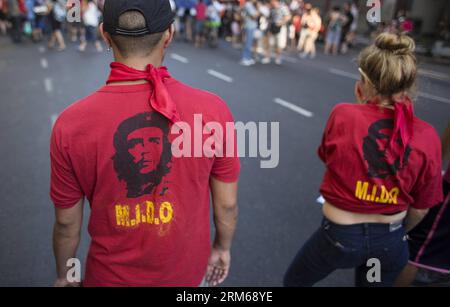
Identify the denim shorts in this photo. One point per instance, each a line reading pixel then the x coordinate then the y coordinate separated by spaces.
pixel 334 37
pixel 91 34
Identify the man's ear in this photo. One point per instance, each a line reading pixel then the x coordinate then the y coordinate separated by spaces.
pixel 169 35
pixel 105 36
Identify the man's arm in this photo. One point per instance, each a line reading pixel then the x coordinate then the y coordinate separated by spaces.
pixel 66 237
pixel 414 217
pixel 224 198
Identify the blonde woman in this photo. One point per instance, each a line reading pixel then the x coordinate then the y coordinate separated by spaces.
pixel 383 173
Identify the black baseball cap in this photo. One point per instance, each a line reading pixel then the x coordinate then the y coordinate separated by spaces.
pixel 158 16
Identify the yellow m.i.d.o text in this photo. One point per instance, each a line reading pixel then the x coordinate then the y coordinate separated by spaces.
pixel 147 213
pixel 379 194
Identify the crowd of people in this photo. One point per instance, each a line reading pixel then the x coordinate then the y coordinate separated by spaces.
pixel 261 27
pixel 267 27
pixel 38 19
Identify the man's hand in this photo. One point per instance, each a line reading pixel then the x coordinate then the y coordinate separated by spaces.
pixel 224 197
pixel 62 282
pixel 218 266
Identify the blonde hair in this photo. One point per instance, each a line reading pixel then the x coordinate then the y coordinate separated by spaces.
pixel 390 64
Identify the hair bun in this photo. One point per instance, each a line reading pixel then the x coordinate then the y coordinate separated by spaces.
pixel 398 44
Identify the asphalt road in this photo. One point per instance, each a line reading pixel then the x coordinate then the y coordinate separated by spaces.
pixel 278 208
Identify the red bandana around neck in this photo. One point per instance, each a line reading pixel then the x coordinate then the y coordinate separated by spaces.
pixel 403 125
pixel 160 99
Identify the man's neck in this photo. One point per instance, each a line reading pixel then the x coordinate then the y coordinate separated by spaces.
pixel 139 64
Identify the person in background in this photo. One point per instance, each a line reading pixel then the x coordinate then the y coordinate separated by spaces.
pixel 295 28
pixel 29 19
pixel 314 24
pixel 346 27
pixel 429 242
pixel 383 173
pixel 200 18
pixel 305 21
pixel 296 5
pixel 184 18
pixel 178 22
pixel 279 17
pixel 354 26
pixel 57 15
pixel 405 24
pixel 236 28
pixel 295 8
pixel 101 4
pixel 188 20
pixel 214 20
pixel 227 19
pixel 41 11
pixel 250 14
pixel 16 10
pixel 91 19
pixel 334 31
pixel 263 44
pixel 3 17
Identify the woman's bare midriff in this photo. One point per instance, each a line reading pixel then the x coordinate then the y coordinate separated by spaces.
pixel 343 217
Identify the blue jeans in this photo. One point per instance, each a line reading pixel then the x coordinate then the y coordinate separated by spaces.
pixel 249 36
pixel 335 246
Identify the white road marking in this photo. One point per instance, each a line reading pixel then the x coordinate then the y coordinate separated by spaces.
pixel 219 75
pixel 44 63
pixel 421 94
pixel 41 49
pixel 53 119
pixel 434 74
pixel 434 97
pixel 48 83
pixel 344 73
pixel 293 107
pixel 179 58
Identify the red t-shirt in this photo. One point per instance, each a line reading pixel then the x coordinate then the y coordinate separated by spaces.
pixel 359 179
pixel 150 211
pixel 200 9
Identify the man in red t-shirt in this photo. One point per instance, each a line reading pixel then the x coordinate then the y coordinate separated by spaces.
pixel 120 149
